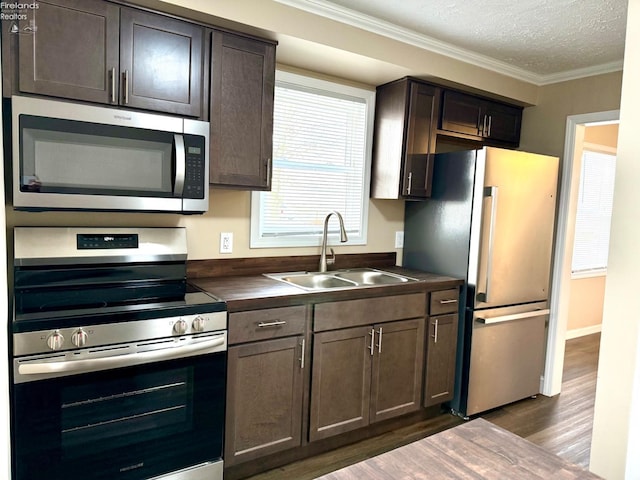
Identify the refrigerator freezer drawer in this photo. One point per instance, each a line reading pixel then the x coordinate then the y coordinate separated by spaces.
pixel 507 357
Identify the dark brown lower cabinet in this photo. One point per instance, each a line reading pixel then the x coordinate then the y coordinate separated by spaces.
pixel 264 398
pixel 397 369
pixel 441 359
pixel 340 381
pixel 365 374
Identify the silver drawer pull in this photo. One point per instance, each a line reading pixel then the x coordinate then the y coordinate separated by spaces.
pixel 435 331
pixel 447 302
pixel 272 324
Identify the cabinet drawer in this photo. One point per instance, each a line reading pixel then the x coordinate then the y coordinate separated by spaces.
pixel 352 313
pixel 265 324
pixel 445 301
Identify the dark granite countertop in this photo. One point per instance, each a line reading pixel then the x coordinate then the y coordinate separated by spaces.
pixel 251 292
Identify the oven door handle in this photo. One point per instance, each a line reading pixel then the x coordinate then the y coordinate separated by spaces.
pixel 117 361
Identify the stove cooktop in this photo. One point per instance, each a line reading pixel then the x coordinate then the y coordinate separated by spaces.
pixel 195 301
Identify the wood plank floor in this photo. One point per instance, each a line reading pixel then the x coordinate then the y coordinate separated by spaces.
pixel 561 424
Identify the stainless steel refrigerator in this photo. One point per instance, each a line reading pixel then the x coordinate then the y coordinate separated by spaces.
pixel 490 220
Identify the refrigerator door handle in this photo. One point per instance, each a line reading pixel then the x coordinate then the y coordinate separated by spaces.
pixel 491 192
pixel 507 318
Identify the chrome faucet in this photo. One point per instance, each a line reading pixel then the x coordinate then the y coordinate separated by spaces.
pixel 324 261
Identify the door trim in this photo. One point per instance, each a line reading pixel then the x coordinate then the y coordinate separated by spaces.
pixel 551 381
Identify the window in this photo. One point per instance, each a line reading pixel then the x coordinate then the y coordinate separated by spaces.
pixel 321 163
pixel 593 218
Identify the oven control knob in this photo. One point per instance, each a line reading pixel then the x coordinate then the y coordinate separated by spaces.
pixel 79 338
pixel 180 327
pixel 55 340
pixel 198 324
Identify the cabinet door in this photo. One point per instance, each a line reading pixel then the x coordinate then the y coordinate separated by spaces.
pixel 396 385
pixel 71 50
pixel 503 123
pixel 340 381
pixel 441 359
pixel 241 116
pixel 161 62
pixel 462 113
pixel 421 139
pixel 264 399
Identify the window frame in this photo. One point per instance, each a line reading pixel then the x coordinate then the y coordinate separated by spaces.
pixel 304 82
pixel 594 272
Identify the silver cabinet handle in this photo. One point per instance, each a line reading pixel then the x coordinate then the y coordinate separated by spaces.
pixel 302 354
pixel 181 165
pixel 126 86
pixel 489 129
pixel 435 331
pixel 379 344
pixel 491 192
pixel 480 318
pixel 275 323
pixel 113 85
pixel 447 302
pixel 484 126
pixel 409 183
pixel 117 361
pixel 267 179
pixel 373 336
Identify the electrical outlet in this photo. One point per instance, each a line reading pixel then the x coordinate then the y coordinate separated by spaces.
pixel 226 242
pixel 399 239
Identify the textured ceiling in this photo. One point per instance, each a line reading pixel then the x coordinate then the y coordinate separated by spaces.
pixel 542 38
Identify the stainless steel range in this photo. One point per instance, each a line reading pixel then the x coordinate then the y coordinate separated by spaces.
pixel 118 364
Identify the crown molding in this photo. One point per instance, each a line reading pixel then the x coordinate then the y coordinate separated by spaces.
pixel 580 73
pixel 390 30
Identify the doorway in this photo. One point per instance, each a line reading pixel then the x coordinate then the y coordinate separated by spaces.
pixel 561 280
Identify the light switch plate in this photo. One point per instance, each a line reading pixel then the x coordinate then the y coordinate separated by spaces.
pixel 226 242
pixel 399 239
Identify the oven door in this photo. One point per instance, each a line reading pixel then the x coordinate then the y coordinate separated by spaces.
pixel 126 423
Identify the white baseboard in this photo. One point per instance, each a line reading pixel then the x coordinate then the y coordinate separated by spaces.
pixel 581 332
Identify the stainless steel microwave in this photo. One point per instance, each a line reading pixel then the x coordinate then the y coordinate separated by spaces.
pixel 68 156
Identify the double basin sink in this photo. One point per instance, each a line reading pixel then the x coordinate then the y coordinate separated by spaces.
pixel 350 278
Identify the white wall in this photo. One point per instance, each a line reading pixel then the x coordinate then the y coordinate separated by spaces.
pixel 616 427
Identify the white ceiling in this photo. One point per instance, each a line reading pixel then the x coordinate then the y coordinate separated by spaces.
pixel 542 41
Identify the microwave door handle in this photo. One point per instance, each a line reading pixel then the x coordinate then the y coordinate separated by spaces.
pixel 181 165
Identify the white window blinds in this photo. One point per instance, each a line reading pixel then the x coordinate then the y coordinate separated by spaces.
pixel 320 152
pixel 593 219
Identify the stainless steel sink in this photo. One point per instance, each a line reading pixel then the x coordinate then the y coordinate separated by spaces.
pixel 340 279
pixel 317 281
pixel 367 276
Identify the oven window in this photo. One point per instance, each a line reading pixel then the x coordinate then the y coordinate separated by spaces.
pixel 119 413
pixel 126 424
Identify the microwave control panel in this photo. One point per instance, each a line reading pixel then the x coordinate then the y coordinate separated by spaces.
pixel 195 176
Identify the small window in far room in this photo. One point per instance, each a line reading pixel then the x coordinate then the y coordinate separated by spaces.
pixel 321 163
pixel 593 218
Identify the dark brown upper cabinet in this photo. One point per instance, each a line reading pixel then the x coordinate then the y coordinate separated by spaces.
pixel 478 118
pixel 241 115
pixel 96 51
pixel 73 53
pixel 161 63
pixel 404 139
